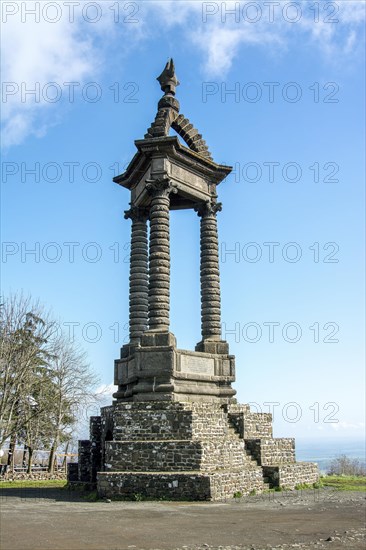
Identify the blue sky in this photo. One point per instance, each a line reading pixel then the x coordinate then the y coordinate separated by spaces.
pixel 278 93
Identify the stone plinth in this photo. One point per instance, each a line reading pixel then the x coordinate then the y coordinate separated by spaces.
pixel 193 451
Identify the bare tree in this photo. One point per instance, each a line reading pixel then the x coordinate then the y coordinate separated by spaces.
pixel 45 380
pixel 343 465
pixel 24 333
pixel 73 386
pixel 35 431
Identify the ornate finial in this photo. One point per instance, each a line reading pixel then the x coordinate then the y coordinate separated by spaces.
pixel 168 80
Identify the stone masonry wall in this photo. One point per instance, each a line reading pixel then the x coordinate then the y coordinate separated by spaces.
pixel 226 485
pixel 180 486
pixel 73 471
pixel 192 451
pixel 149 456
pixel 35 475
pixel 249 425
pixel 207 455
pixel 96 446
pixel 107 419
pixel 228 453
pixel 84 463
pixel 288 476
pixel 147 421
pixel 209 421
pixel 166 420
pixel 268 452
pixel 257 425
pixel 169 486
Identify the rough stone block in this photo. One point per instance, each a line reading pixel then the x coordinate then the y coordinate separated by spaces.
pixel 288 476
pixel 84 464
pixel 72 471
pixel 269 451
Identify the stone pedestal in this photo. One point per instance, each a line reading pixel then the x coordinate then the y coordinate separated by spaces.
pixel 195 451
pixel 159 371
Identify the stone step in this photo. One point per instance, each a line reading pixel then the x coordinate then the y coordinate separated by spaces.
pixel 192 485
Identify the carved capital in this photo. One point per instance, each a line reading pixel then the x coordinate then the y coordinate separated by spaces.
pixel 162 187
pixel 137 214
pixel 208 208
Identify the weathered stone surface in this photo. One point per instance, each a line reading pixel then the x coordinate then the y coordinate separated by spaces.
pixel 192 375
pixel 139 280
pixel 204 440
pixel 96 446
pixel 270 451
pixel 36 475
pixel 84 464
pixel 288 476
pixel 73 471
pixel 171 486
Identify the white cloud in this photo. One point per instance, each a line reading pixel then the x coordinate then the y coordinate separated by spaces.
pixel 220 29
pixel 36 52
pixel 221 46
pixel 76 51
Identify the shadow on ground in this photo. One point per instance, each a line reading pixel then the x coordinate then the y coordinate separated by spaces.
pixel 46 493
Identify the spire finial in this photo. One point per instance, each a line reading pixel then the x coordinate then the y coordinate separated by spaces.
pixel 168 80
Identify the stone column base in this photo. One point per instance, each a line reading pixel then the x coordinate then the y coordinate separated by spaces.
pixel 213 346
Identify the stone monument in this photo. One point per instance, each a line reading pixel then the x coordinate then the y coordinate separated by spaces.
pixel 175 430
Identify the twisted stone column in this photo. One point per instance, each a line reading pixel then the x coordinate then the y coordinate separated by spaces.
pixel 139 278
pixel 159 257
pixel 210 274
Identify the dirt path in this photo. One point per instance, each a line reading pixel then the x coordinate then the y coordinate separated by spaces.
pixel 51 519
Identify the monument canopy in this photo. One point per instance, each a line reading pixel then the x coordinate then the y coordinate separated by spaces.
pixel 190 168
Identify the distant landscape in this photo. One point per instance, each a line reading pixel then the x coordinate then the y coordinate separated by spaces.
pixel 323 451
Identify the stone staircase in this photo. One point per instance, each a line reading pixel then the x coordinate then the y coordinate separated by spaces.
pixel 275 456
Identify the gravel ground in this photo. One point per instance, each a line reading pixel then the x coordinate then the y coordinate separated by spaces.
pixel 53 519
